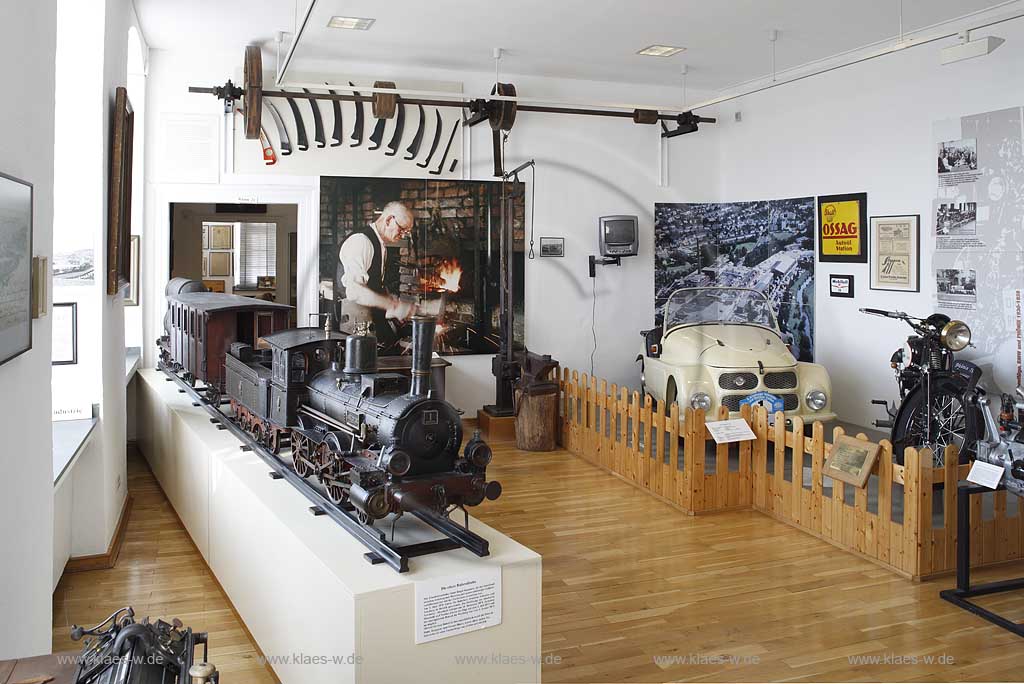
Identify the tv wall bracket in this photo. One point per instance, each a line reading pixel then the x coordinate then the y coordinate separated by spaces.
pixel 602 261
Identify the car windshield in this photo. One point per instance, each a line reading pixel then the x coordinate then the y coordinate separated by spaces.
pixel 693 306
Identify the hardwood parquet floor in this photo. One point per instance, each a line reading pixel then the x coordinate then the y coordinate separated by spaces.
pixel 161 574
pixel 634 591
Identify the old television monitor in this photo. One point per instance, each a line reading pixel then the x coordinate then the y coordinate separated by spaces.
pixel 618 235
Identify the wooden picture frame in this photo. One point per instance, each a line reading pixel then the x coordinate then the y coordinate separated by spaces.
pixel 843 228
pixel 65 334
pixel 16 228
pixel 119 210
pixel 132 298
pixel 220 264
pixel 206 264
pixel 221 236
pixel 895 253
pixel 206 236
pixel 851 460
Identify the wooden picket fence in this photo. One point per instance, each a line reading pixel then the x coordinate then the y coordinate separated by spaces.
pixel 667 452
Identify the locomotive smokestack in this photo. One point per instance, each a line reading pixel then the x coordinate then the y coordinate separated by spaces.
pixel 422 348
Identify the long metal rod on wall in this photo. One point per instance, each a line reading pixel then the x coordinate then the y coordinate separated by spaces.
pixel 283 68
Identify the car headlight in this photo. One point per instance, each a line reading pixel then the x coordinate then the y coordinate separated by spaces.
pixel 816 400
pixel 955 335
pixel 700 400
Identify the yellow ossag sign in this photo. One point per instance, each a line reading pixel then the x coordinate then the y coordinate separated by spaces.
pixel 840 228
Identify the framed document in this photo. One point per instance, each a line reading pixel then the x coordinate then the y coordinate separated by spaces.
pixel 851 460
pixel 65 334
pixel 896 253
pixel 221 236
pixel 220 264
pixel 840 286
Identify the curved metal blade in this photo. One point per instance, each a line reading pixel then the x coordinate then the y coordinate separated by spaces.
pixel 357 130
pixel 414 146
pixel 300 128
pixel 338 134
pixel 377 137
pixel 318 122
pixel 437 138
pixel 396 138
pixel 282 130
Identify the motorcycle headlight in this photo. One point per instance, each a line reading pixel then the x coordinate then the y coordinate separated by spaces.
pixel 700 400
pixel 955 335
pixel 816 400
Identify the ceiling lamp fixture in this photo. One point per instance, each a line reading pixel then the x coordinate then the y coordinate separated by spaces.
pixel 969 49
pixel 660 51
pixel 356 23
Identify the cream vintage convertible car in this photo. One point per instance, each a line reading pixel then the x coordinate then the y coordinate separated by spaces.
pixel 721 346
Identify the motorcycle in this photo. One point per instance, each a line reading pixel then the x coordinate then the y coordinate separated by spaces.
pixel 1003 442
pixel 932 411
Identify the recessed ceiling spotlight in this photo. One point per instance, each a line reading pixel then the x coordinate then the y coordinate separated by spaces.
pixel 357 23
pixel 660 51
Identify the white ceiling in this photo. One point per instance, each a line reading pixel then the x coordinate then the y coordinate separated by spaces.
pixel 726 40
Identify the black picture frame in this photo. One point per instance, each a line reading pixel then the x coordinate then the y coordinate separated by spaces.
pixel 862 256
pixel 554 245
pixel 834 292
pixel 24 343
pixel 74 333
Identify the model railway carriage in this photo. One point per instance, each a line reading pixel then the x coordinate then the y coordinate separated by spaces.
pixel 200 327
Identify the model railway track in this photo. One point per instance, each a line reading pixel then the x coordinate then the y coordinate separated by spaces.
pixel 380 549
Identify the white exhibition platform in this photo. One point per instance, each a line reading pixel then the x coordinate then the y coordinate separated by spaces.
pixel 301 583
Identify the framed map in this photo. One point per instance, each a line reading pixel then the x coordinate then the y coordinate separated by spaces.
pixel 15 267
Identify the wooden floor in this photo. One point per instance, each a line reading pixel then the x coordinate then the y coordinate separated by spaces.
pixel 629 583
pixel 160 574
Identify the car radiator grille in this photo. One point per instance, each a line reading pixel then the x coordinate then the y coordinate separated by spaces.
pixel 790 402
pixel 780 380
pixel 737 381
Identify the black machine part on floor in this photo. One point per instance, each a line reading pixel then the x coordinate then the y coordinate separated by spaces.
pixel 120 650
pixel 961 595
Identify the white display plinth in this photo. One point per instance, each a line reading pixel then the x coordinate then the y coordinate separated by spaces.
pixel 301 584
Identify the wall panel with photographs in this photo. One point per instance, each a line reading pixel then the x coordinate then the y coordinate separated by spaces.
pixel 977 215
pixel 451 259
pixel 765 245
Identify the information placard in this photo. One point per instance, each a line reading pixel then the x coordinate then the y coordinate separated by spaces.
pixel 457 604
pixel 726 431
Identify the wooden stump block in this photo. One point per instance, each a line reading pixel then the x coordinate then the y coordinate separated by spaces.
pixel 536 423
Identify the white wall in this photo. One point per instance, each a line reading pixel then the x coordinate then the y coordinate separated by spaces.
pixel 586 167
pixel 864 128
pixel 26 488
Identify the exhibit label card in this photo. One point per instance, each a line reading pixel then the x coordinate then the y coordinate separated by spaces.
pixel 457 604
pixel 726 431
pixel 985 474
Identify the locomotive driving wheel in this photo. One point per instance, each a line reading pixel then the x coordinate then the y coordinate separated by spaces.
pixel 274 440
pixel 300 454
pixel 336 493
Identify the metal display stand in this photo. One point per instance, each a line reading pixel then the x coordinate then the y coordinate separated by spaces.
pixel 961 595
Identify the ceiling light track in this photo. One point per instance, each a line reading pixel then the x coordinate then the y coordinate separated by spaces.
pixel 907 43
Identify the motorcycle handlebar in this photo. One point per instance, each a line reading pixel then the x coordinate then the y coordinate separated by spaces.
pixel 881 312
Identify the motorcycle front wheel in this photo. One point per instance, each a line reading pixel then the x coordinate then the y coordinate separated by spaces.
pixel 951 421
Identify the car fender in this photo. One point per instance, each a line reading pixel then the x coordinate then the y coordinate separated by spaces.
pixel 690 380
pixel 813 376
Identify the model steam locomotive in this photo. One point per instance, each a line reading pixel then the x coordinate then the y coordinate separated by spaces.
pixel 379 442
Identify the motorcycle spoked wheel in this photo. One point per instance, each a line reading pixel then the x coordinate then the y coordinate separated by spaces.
pixel 952 422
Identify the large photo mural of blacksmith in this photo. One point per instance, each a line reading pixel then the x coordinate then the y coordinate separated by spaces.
pixel 764 245
pixel 394 247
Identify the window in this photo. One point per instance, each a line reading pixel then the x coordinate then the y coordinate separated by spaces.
pixel 257 254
